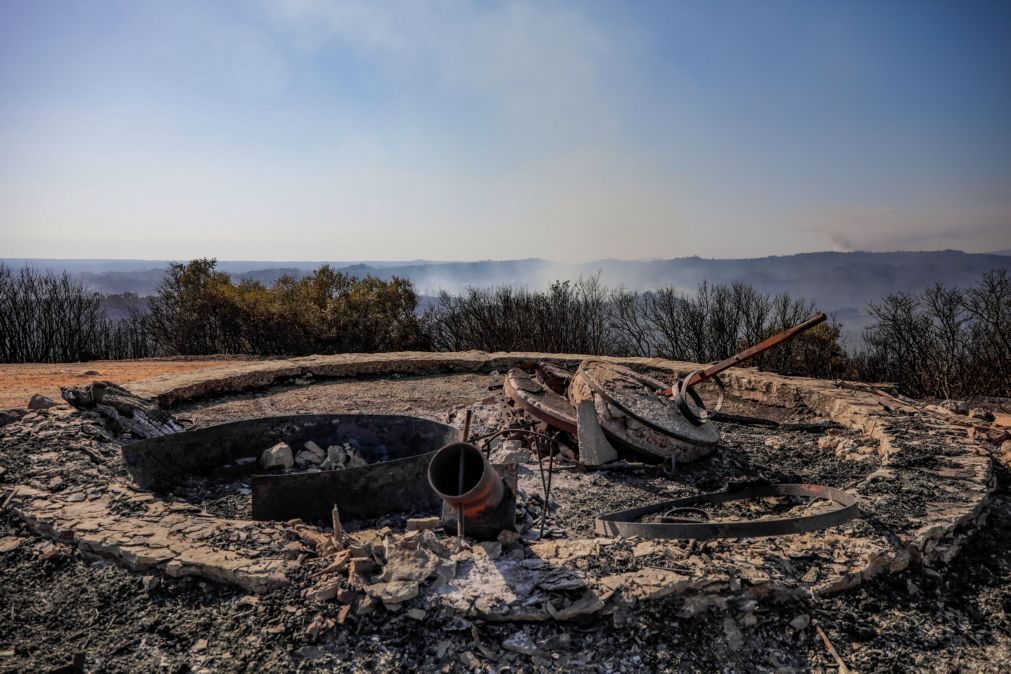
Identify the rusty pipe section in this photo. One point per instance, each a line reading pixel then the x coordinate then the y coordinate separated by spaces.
pixel 749 353
pixel 463 477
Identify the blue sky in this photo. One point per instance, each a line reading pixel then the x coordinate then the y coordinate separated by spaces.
pixel 310 129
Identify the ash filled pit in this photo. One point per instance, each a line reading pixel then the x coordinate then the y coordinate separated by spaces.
pixel 571 600
pixel 373 463
pixel 748 453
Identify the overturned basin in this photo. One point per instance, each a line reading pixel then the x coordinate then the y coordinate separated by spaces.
pixel 398 449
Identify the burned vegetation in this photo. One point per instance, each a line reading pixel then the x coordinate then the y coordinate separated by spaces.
pixel 459 512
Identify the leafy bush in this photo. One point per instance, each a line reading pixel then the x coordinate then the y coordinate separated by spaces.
pixel 199 310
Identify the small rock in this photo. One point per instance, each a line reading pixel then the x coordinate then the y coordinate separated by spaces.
pixel 200 645
pixel 510 451
pixel 40 402
pixel 956 406
pixel 151 583
pixel 416 614
pixel 10 416
pixel 248 600
pixel 422 523
pixel 394 592
pixel 310 653
pixel 801 622
pixel 828 442
pixel 277 457
pixel 442 648
pixel 982 414
pixel 520 642
pixel 307 458
pixel 362 566
pixel 341 458
pixel 507 537
pixel 491 548
pixel 315 449
pixel 471 662
pixel 9 543
pixel 89 373
pixel 733 633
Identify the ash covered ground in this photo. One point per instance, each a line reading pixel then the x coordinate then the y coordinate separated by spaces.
pixel 56 606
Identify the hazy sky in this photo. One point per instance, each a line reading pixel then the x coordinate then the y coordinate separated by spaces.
pixel 317 129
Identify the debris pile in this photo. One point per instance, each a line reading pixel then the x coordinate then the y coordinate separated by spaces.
pixel 555 449
pixel 312 458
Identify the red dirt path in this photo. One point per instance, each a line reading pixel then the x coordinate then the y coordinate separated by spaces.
pixel 18 382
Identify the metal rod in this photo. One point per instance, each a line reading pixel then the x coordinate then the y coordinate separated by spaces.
pixel 751 352
pixel 459 509
pixel 547 491
pixel 459 490
pixel 466 425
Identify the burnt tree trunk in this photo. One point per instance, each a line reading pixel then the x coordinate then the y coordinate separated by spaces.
pixel 126 411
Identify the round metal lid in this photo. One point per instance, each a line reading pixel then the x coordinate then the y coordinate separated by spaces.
pixel 633 398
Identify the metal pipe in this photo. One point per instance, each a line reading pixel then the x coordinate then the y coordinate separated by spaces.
pixel 461 475
pixel 750 352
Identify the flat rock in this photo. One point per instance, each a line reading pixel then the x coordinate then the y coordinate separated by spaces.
pixel 277 457
pixel 40 402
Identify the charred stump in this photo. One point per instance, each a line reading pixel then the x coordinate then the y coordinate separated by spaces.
pixel 127 412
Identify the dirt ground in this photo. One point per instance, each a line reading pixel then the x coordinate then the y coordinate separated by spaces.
pixel 19 382
pixel 54 607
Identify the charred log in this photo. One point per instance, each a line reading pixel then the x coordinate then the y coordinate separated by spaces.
pixel 124 410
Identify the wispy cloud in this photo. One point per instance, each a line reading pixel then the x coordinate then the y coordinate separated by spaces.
pixel 531 60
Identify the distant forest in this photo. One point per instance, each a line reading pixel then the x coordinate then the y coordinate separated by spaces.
pixel 944 341
pixel 842 284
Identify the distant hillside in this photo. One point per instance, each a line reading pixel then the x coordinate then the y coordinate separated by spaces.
pixel 843 283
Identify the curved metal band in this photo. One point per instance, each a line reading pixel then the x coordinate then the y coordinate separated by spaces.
pixel 627 524
pixel 698 413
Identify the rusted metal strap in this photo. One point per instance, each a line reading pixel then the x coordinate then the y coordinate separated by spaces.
pixel 628 524
pixel 749 353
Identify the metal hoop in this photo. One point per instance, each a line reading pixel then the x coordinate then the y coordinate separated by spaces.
pixel 698 413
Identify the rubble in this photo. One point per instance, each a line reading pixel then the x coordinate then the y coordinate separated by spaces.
pixel 342 457
pixel 312 455
pixel 921 482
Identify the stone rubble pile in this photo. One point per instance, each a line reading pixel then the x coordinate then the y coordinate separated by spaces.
pixel 311 459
